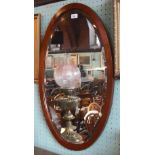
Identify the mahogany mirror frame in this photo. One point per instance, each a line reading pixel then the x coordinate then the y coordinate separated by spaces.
pixel 91 15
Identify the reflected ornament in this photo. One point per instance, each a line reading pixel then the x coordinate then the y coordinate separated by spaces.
pixel 68 103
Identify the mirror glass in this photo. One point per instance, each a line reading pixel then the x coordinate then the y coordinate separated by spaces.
pixel 75 78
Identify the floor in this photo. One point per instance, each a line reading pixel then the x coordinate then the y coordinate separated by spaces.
pixel 39 151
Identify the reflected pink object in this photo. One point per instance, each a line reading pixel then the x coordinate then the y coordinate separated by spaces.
pixel 68 76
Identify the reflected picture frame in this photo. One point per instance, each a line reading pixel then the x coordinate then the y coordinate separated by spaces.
pixel 116 7
pixel 84 60
pixel 57 61
pixel 74 59
pixel 49 63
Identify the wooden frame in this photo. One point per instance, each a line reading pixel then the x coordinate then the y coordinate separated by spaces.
pixel 95 20
pixel 116 6
pixel 43 2
pixel 36 46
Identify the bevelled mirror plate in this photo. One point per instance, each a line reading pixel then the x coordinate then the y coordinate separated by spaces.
pixel 76 76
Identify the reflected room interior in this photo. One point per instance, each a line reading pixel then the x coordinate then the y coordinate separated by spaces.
pixel 75 78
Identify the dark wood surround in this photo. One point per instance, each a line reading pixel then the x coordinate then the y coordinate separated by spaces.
pixel 91 15
pixel 44 2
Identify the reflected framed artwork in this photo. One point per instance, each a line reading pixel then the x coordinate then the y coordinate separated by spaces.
pixel 84 60
pixel 58 61
pixel 73 59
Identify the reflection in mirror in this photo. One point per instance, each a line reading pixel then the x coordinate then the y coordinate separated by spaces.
pixel 75 77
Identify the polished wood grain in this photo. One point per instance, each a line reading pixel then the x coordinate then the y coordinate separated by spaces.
pixel 95 20
pixel 36 46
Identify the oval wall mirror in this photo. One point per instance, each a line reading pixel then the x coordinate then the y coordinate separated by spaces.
pixel 76 76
